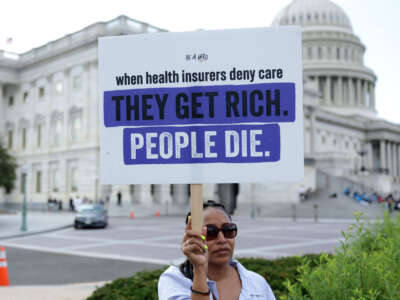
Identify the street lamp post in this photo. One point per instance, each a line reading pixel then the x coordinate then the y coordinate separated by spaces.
pixel 24 226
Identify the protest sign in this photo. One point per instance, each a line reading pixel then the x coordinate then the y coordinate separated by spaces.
pixel 201 107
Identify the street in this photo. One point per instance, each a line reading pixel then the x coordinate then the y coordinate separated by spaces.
pixel 131 245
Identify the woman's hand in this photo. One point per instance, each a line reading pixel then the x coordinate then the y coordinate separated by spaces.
pixel 194 247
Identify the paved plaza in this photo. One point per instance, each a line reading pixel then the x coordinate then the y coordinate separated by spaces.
pixel 156 240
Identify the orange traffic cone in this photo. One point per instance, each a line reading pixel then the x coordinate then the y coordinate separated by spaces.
pixel 132 214
pixel 157 214
pixel 4 281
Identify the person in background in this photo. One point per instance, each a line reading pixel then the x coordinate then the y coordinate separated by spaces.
pixel 374 197
pixel 71 204
pixel 210 272
pixel 119 198
pixel 389 200
pixel 77 202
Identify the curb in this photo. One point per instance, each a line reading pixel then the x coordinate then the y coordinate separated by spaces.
pixel 35 232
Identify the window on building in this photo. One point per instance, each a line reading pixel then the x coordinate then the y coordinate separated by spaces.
pixel 25 96
pixel 319 53
pixel 309 53
pixel 41 92
pixel 77 82
pixel 10 139
pixel 74 182
pixel 347 145
pixel 39 135
pixel 10 101
pixel 323 140
pixel 59 87
pixel 367 97
pixel 346 54
pixel 55 177
pixel 338 53
pixel 23 138
pixel 38 181
pixel 57 133
pixel 76 128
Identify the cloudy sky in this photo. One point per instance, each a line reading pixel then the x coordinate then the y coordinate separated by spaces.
pixel 33 23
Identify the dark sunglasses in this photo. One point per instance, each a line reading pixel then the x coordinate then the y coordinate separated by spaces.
pixel 229 230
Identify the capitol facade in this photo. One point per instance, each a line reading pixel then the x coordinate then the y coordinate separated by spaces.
pixel 49 116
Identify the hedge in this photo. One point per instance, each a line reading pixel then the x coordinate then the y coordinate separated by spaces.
pixel 143 285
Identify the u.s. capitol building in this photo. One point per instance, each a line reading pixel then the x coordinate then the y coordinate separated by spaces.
pixel 49 115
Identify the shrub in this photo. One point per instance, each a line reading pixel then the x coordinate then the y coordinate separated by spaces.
pixel 143 285
pixel 277 271
pixel 365 266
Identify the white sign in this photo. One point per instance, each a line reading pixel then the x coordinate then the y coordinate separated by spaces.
pixel 202 107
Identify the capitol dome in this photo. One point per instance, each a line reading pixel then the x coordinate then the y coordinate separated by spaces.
pixel 314 13
pixel 333 56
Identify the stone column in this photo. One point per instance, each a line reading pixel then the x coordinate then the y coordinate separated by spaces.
pixel 389 157
pixel 312 131
pixel 398 160
pixel 395 160
pixel 162 193
pixel 2 116
pixel 45 180
pixel 328 90
pixel 364 94
pixel 360 101
pixel 370 157
pixel 180 194
pixel 393 156
pixel 142 194
pixel 245 193
pixel 63 183
pixel 340 99
pixel 319 83
pixel 372 95
pixel 352 99
pixel 86 78
pixel 209 191
pixel 226 195
pixel 383 154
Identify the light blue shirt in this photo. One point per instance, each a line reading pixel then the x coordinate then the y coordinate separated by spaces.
pixel 173 285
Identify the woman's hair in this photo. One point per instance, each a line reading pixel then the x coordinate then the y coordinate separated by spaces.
pixel 186 267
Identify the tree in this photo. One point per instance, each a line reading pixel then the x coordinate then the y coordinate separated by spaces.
pixel 8 168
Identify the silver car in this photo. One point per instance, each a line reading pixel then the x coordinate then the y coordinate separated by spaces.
pixel 91 216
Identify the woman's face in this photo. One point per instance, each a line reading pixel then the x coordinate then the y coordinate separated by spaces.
pixel 220 250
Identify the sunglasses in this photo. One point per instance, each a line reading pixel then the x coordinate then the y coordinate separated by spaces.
pixel 229 230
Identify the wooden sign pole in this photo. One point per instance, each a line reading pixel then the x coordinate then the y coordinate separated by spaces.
pixel 196 206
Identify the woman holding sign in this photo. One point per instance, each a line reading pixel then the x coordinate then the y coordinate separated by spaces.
pixel 209 271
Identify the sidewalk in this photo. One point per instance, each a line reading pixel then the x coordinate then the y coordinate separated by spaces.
pixel 10 224
pixel 77 291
